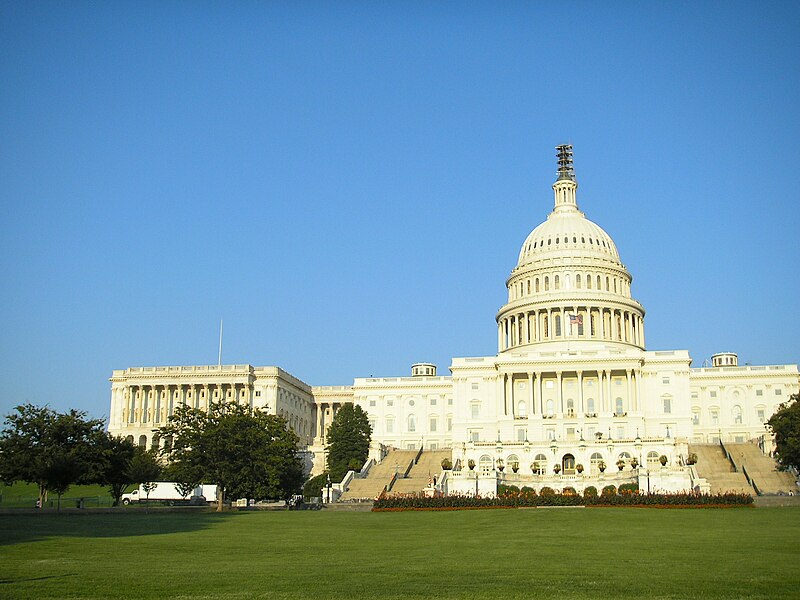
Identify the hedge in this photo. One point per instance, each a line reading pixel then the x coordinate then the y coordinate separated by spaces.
pixel 525 499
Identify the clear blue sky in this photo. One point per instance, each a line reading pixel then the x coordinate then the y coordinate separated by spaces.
pixel 348 184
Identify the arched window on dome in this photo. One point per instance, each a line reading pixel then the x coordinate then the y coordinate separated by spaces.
pixel 583 240
pixel 588 282
pixel 545 328
pixel 546 283
pixel 615 285
pixel 556 283
pixel 608 284
pixel 619 328
pixel 593 323
pixel 599 287
pixel 529 286
pixel 591 242
pixel 549 241
pixel 578 281
pixel 536 284
pixel 567 282
pixel 558 325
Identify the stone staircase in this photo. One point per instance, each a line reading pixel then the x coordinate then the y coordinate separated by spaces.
pixel 713 466
pixel 380 476
pixel 762 470
pixel 419 477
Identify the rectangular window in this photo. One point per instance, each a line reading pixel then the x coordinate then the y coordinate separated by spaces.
pixel 761 415
pixel 715 417
pixel 449 423
pixel 475 436
pixel 258 393
pixel 433 425
pixel 389 425
pixel 620 433
pixel 433 401
pixel 475 386
pixel 449 402
pixel 778 392
pixel 389 401
pixel 667 406
pixel 759 392
pixel 372 402
pixel 551 434
pixel 712 394
pixel 520 435
pixel 475 410
pixel 665 380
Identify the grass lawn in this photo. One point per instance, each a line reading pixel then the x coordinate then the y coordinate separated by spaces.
pixel 24 495
pixel 497 554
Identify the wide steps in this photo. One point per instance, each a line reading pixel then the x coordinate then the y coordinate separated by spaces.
pixel 762 469
pixel 360 489
pixel 713 466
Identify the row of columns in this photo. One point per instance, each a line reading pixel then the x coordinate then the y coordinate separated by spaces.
pixel 536 401
pixel 156 403
pixel 326 411
pixel 554 323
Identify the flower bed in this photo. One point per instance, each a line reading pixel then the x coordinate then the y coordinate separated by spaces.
pixel 531 499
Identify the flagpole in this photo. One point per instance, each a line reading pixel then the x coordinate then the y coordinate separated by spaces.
pixel 219 360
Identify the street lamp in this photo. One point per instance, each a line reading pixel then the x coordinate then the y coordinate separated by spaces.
pixel 328 485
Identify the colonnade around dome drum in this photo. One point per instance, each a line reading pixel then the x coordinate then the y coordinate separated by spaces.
pixel 550 324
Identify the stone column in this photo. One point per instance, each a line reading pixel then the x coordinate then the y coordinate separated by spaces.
pixel 559 393
pixel 532 396
pixel 581 407
pixel 628 391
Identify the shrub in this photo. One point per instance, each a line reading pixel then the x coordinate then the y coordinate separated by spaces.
pixel 691 459
pixel 313 487
pixel 590 492
pixel 547 491
pixel 447 464
pixel 502 490
pixel 609 490
pixel 629 488
pixel 528 490
pixel 569 491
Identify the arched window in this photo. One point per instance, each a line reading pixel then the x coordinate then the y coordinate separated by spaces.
pixel 412 423
pixel 578 281
pixel 129 438
pixel 536 284
pixel 485 463
pixel 529 286
pixel 589 281
pixel 558 325
pixel 594 463
pixel 570 407
pixel 590 405
pixel 545 328
pixel 737 415
pixel 568 464
pixel 143 441
pixel 695 415
pixel 608 284
pixel 546 283
pixel 512 460
pixel 539 466
pixel 652 458
pixel 549 407
pixel 522 409
pixel 556 283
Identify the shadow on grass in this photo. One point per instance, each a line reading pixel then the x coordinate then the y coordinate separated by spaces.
pixel 23 529
pixel 21 579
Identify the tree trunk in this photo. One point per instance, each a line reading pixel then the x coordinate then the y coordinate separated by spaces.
pixel 220 498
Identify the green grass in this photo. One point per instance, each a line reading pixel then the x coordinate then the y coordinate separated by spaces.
pixel 24 495
pixel 497 554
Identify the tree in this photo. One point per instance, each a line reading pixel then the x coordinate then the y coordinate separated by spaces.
pixel 118 452
pixel 144 469
pixel 785 426
pixel 53 450
pixel 247 453
pixel 348 441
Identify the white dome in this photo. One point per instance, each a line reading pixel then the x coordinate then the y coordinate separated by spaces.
pixel 565 233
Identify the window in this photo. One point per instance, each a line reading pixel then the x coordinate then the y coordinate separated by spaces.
pixel 258 393
pixel 619 406
pixel 665 380
pixel 411 402
pixel 556 283
pixel 521 434
pixel 590 405
pixel 522 409
pixel 485 463
pixel 761 414
pixel 695 415
pixel 571 407
pixel 433 401
pixel 558 325
pixel 412 423
pixel 759 392
pixel 594 463
pixel 449 402
pixel 475 409
pixel 737 415
pixel 475 386
pixel 372 403
pixel 578 281
pixel 714 416
pixel 432 424
pixel 550 434
pixel 667 405
pixel 550 407
pixel 390 425
pixel 539 465
pixel 475 436
pixel 389 401
pixel 712 394
pixel 621 432
pixel 778 392
pixel 449 422
pixel 652 458
pixel 546 283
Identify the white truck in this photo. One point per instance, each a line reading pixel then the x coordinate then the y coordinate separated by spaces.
pixel 167 491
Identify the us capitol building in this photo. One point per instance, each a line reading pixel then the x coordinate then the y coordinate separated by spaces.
pixel 572 388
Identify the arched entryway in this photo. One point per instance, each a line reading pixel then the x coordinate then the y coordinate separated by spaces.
pixel 568 464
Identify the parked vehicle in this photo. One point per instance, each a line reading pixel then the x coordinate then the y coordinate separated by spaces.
pixel 167 492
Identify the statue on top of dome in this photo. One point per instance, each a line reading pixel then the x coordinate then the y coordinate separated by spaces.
pixel 565 168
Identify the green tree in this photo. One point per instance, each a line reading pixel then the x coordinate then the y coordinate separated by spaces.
pixel 785 425
pixel 145 470
pixel 53 450
pixel 348 441
pixel 118 452
pixel 246 453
